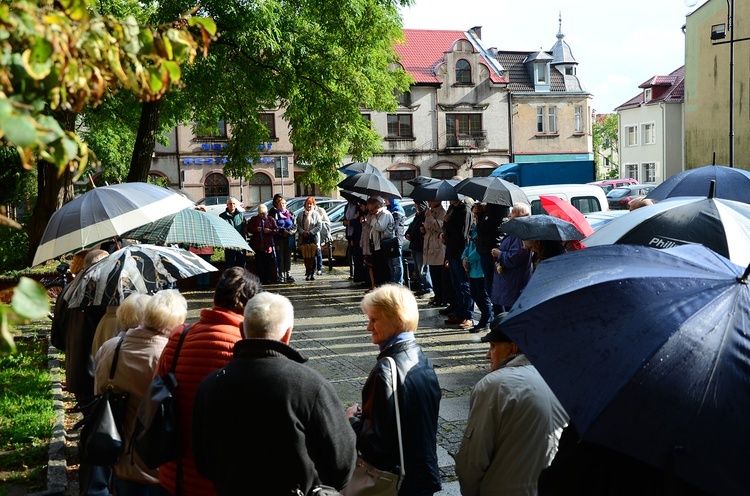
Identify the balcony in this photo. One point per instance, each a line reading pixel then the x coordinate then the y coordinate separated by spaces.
pixel 474 141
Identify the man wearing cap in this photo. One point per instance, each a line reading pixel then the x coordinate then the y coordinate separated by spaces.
pixel 514 426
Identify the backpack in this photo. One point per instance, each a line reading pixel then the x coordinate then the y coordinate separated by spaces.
pixel 156 437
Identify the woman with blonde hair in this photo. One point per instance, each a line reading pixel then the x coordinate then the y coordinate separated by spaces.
pixel 140 349
pixel 394 317
pixel 309 224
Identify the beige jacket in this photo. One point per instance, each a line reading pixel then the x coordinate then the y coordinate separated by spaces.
pixel 136 366
pixel 433 250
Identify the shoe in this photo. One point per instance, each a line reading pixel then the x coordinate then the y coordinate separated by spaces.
pixel 289 278
pixel 312 277
pixel 446 311
pixel 307 277
pixel 466 324
pixel 320 272
pixel 282 279
pixel 453 320
pixel 478 328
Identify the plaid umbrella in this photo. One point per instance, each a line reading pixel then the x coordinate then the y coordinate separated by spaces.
pixel 134 269
pixel 190 227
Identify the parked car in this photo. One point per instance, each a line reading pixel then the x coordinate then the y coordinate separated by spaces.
pixel 619 198
pixel 296 204
pixel 217 204
pixel 585 197
pixel 609 184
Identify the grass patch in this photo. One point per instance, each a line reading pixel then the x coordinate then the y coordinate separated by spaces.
pixel 26 412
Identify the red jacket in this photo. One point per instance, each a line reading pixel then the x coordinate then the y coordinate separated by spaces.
pixel 262 242
pixel 207 347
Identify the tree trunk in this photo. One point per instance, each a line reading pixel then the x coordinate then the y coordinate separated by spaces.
pixel 54 189
pixel 145 141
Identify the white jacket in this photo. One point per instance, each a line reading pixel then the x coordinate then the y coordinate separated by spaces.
pixel 515 422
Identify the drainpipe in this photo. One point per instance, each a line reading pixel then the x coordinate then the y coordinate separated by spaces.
pixel 511 158
pixel 663 140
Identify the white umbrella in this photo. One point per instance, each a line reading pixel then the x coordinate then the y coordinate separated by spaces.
pixel 104 213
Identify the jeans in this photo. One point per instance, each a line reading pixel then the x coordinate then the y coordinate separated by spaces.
pixel 130 488
pixel 396 265
pixel 234 258
pixel 423 280
pixel 460 282
pixel 479 295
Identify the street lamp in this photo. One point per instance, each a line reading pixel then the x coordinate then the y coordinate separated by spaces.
pixel 719 32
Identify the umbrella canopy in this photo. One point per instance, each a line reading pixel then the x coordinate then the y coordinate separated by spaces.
pixel 370 185
pixel 420 180
pixel 356 167
pixel 353 197
pixel 731 184
pixel 722 225
pixel 501 192
pixel 542 227
pixel 190 227
pixel 474 187
pixel 557 207
pixel 134 269
pixel 104 213
pixel 442 190
pixel 647 350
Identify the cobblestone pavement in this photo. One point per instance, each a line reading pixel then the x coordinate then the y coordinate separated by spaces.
pixel 330 328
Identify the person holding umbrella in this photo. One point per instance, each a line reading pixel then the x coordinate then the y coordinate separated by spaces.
pixel 455 236
pixel 513 262
pixel 399 230
pixel 415 235
pixel 514 424
pixel 234 258
pixel 381 227
pixel 263 229
pixel 434 250
pixel 287 227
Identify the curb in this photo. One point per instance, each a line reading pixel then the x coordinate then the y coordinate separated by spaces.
pixel 57 466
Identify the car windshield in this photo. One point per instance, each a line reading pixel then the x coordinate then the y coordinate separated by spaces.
pixel 618 193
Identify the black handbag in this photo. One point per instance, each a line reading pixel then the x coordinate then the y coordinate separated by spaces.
pixel 156 436
pixel 101 435
pixel 391 247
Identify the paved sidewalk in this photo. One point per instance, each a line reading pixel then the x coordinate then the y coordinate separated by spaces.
pixel 330 328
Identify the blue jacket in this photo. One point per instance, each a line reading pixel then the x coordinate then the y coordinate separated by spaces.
pixel 471 255
pixel 516 263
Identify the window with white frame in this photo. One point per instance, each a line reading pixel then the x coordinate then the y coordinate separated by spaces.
pixel 649 172
pixel 647 94
pixel 631 133
pixel 579 118
pixel 649 133
pixel 552 118
pixel 632 171
pixel 540 119
pixel 541 73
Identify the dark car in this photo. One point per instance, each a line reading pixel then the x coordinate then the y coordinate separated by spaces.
pixel 619 198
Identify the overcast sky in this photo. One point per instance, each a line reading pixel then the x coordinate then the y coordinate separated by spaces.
pixel 618 44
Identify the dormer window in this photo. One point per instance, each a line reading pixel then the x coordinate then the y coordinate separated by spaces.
pixel 463 72
pixel 647 95
pixel 463 46
pixel 570 71
pixel 541 73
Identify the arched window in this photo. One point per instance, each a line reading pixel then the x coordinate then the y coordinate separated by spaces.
pixel 216 185
pixel 463 72
pixel 260 188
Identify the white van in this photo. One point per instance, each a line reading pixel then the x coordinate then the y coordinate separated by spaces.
pixel 585 197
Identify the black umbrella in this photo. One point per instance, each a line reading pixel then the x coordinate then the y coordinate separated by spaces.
pixel 542 227
pixel 474 187
pixel 647 350
pixel 371 185
pixel 420 180
pixel 731 184
pixel 353 197
pixel 501 192
pixel 441 190
pixel 356 167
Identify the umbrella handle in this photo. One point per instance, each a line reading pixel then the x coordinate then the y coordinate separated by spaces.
pixel 743 278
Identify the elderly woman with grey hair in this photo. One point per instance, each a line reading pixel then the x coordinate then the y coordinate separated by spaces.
pixel 263 229
pixel 393 319
pixel 140 349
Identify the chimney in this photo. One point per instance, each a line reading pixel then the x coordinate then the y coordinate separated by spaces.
pixel 493 51
pixel 477 30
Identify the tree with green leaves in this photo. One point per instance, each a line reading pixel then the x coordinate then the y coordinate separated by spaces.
pixel 58 58
pixel 320 61
pixel 605 135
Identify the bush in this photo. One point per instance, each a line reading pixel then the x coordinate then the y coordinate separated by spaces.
pixel 13 249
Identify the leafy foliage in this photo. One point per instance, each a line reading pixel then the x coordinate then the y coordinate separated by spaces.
pixel 605 136
pixel 13 248
pixel 58 56
pixel 30 301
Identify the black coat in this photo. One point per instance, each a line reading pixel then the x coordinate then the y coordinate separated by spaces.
pixel 456 230
pixel 419 403
pixel 416 242
pixel 267 424
pixel 488 235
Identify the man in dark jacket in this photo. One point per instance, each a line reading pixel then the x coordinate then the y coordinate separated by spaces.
pixel 266 423
pixel 235 218
pixel 456 233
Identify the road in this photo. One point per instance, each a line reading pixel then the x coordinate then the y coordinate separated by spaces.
pixel 330 328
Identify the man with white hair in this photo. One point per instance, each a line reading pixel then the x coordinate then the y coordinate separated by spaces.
pixel 266 423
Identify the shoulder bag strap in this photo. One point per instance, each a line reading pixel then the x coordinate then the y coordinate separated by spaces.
pixel 398 417
pixel 179 347
pixel 113 367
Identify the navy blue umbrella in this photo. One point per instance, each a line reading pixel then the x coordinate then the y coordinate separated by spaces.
pixel 731 184
pixel 649 352
pixel 542 227
pixel 356 167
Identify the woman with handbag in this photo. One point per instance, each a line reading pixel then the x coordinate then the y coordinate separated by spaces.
pixel 309 225
pixel 136 364
pixel 397 428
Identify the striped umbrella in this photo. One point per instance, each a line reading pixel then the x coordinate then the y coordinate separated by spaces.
pixel 104 213
pixel 190 227
pixel 142 269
